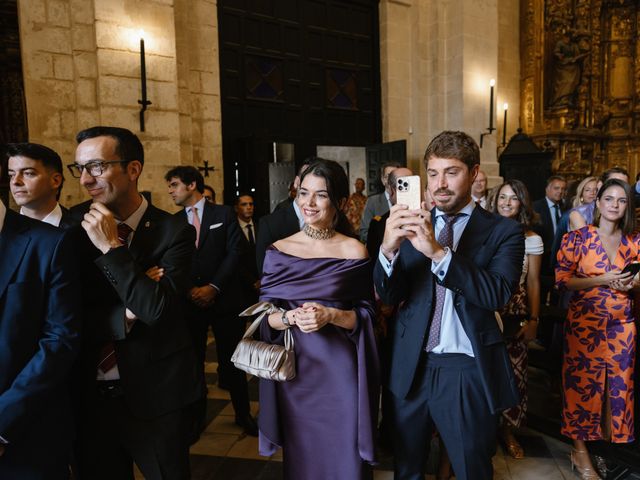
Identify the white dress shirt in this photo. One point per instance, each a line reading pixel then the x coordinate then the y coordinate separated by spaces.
pixel 245 231
pixel 482 201
pixel 453 338
pixel 199 205
pixel 54 217
pixel 552 211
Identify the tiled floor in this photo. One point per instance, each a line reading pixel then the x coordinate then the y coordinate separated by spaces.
pixel 224 452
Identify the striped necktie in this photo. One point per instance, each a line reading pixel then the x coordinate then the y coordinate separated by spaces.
pixel 445 238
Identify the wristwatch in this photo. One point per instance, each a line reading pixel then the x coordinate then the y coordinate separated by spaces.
pixel 526 322
pixel 285 320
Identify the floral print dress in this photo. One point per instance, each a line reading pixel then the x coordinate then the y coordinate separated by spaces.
pixel 599 340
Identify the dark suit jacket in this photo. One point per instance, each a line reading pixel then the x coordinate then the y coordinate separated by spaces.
pixel 483 272
pixel 247 272
pixel 280 224
pixel 39 337
pixel 376 235
pixel 216 259
pixel 545 230
pixel 68 220
pixel 156 359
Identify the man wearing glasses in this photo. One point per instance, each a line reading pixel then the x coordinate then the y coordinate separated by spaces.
pixel 138 366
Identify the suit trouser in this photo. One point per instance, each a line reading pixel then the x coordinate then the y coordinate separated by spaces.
pixel 28 464
pixel 227 331
pixel 111 438
pixel 448 394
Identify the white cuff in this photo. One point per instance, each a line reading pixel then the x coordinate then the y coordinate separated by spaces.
pixel 440 268
pixel 387 265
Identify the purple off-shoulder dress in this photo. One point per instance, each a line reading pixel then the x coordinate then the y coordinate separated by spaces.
pixel 324 419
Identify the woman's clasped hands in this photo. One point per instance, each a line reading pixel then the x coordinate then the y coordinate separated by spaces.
pixel 311 316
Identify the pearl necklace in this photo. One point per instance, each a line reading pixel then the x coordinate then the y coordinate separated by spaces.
pixel 318 233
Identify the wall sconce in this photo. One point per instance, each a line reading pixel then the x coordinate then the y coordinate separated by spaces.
pixel 504 125
pixel 143 82
pixel 492 84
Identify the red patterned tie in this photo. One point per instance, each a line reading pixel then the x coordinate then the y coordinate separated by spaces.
pixel 108 352
pixel 446 240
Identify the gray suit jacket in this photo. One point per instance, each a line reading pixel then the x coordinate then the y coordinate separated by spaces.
pixel 377 205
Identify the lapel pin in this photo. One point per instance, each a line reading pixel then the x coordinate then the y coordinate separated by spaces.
pixel 147 224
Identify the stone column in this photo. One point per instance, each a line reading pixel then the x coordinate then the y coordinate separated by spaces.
pixel 119 27
pixel 49 61
pixel 199 86
pixel 81 63
pixel 437 57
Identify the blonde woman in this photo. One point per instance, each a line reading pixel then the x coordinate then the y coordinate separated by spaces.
pixel 582 212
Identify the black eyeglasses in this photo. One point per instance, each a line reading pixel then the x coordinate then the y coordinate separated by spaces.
pixel 94 168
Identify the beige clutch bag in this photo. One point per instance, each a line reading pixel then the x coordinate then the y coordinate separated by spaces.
pixel 264 360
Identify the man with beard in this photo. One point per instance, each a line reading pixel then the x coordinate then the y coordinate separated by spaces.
pixel 454 266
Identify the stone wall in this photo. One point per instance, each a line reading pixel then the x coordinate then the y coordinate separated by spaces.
pixel 508 67
pixel 437 57
pixel 82 67
pixel 81 61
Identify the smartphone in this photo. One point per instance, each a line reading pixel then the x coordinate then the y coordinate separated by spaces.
pixel 633 268
pixel 408 191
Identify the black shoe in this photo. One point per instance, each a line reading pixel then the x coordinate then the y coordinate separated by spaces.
pixel 248 423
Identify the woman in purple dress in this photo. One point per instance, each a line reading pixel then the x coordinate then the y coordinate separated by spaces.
pixel 324 418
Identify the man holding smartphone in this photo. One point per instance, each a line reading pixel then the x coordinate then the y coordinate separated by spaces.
pixel 454 266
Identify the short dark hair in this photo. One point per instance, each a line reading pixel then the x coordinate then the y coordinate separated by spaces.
pixel 187 175
pixel 337 189
pixel 628 222
pixel 48 157
pixel 610 171
pixel 453 145
pixel 209 187
pixel 553 178
pixel 128 145
pixel 243 194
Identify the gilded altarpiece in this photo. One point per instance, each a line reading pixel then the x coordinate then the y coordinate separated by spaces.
pixel 580 82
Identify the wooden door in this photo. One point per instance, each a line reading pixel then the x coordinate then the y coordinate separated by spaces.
pixel 377 156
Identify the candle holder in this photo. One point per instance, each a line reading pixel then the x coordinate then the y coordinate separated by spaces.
pixel 504 125
pixel 143 85
pixel 491 128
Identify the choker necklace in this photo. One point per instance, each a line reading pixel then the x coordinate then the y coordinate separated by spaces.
pixel 318 233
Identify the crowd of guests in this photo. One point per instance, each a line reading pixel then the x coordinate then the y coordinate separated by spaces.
pixel 105 310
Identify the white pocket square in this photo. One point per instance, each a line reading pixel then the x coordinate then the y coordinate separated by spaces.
pixel 215 225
